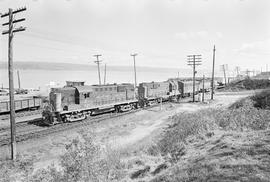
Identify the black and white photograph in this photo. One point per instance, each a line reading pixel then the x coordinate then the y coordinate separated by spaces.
pixel 134 91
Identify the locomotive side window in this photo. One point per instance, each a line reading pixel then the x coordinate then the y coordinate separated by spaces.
pixel 86 95
pixel 110 88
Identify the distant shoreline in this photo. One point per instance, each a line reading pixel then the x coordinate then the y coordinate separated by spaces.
pixel 69 66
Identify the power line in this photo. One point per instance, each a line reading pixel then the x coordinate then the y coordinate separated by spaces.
pixel 194 60
pixel 11 30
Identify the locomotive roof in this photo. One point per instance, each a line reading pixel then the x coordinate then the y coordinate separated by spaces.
pixel 62 89
pixel 107 85
pixel 84 89
pixel 90 88
pixel 154 83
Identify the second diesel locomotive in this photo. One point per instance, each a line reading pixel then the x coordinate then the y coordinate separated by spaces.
pixel 77 101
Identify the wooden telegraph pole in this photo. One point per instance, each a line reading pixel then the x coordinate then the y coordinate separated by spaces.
pixel 19 80
pixel 237 68
pixel 135 76
pixel 213 74
pixel 105 75
pixel 224 72
pixel 98 63
pixel 203 91
pixel 194 60
pixel 10 33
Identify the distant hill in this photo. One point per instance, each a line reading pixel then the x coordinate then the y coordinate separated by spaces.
pixel 70 66
pixel 46 66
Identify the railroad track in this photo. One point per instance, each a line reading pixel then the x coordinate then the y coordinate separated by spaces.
pixel 21 114
pixel 21 124
pixel 34 131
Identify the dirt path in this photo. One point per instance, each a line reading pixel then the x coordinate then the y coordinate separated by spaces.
pixel 117 132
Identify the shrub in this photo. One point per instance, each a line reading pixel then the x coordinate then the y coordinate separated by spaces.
pixel 246 117
pixel 84 160
pixel 262 99
pixel 21 168
pixel 248 84
pixel 186 125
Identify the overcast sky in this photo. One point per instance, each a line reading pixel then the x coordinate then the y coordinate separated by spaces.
pixel 162 32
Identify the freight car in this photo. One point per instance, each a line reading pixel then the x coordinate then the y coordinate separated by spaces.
pixel 207 85
pixel 21 105
pixel 154 90
pixel 185 88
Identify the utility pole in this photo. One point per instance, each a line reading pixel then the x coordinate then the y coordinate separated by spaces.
pixel 19 80
pixel 194 60
pixel 98 63
pixel 160 103
pixel 203 91
pixel 135 77
pixel 11 30
pixel 224 72
pixel 248 72
pixel 253 72
pixel 105 75
pixel 237 68
pixel 213 74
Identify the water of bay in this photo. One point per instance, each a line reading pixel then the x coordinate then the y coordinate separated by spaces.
pixel 31 78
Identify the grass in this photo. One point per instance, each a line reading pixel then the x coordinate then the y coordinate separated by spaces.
pixel 248 84
pixel 21 169
pixel 219 144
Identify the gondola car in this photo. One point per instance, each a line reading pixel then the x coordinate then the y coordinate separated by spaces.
pixel 21 104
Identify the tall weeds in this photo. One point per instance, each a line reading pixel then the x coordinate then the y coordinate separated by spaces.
pixel 244 117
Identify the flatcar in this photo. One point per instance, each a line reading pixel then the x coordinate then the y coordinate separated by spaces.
pixel 21 105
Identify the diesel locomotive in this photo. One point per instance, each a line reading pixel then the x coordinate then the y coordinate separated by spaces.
pixel 77 101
